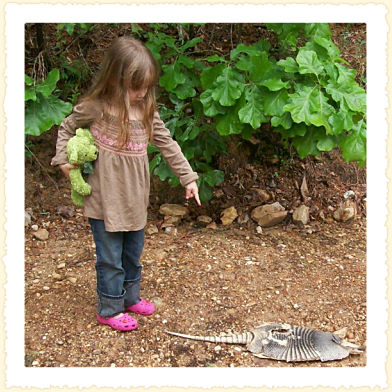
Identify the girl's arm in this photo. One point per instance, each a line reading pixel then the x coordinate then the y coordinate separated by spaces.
pixel 82 116
pixel 172 153
pixel 174 157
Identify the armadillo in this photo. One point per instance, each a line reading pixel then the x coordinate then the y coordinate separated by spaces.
pixel 287 343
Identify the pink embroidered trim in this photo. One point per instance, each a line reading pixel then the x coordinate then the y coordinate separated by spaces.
pixel 130 146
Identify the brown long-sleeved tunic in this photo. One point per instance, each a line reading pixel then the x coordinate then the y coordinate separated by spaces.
pixel 121 181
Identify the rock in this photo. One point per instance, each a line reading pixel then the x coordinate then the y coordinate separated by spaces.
pixel 171 220
pixel 72 279
pixel 204 219
pixel 34 227
pixel 41 234
pixel 61 265
pixel 56 276
pixel 27 219
pixel 218 193
pixel 173 210
pixel 269 214
pixel 212 226
pixel 347 211
pixel 304 189
pixel 301 215
pixel 229 215
pixel 171 230
pixel 259 230
pixel 152 229
pixel 262 195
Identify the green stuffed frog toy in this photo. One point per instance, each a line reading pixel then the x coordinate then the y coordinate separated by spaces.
pixel 80 149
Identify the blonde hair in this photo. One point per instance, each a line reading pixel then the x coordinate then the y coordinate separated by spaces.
pixel 128 64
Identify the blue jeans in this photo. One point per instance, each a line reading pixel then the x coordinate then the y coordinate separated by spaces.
pixel 118 268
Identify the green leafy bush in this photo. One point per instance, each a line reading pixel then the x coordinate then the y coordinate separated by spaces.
pixel 43 108
pixel 310 98
pixel 301 88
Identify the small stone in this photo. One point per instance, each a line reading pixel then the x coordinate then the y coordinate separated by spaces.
pixel 56 276
pixel 259 230
pixel 46 288
pixel 217 348
pixel 262 195
pixel 347 211
pixel 61 265
pixel 72 279
pixel 212 226
pixel 204 219
pixel 41 234
pixel 171 220
pixel 269 215
pixel 59 342
pixel 301 215
pixel 171 230
pixel 173 210
pixel 27 219
pixel 228 215
pixel 295 306
pixel 34 227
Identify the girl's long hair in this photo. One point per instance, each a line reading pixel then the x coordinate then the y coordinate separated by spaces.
pixel 128 64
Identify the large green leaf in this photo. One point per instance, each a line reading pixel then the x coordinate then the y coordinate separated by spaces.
pixel 241 48
pixel 274 102
pixel 346 75
pixel 289 64
pixel 332 50
pixel 211 107
pixel 340 121
pixel 229 87
pixel 184 91
pixel 350 96
pixel 45 112
pixel 209 75
pixel 354 144
pixel 214 177
pixel 307 144
pixel 252 112
pixel 310 105
pixel 322 110
pixel 308 62
pixel 171 77
pixel 49 84
pixel 301 105
pixel 229 123
pixel 30 94
pixel 326 143
pixel 285 121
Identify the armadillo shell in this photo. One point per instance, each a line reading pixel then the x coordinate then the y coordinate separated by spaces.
pixel 303 344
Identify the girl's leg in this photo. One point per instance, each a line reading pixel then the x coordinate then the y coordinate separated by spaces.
pixel 132 250
pixel 110 272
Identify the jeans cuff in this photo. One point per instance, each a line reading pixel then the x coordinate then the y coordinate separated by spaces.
pixel 109 306
pixel 132 293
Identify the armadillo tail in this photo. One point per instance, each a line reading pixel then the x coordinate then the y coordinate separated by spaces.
pixel 243 338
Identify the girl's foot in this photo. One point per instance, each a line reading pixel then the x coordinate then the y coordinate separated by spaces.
pixel 143 307
pixel 121 322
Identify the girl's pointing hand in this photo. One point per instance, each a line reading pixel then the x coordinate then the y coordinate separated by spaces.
pixel 192 190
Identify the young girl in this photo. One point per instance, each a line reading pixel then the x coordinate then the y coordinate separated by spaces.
pixel 120 111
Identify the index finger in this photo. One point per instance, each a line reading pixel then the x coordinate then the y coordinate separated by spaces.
pixel 197 199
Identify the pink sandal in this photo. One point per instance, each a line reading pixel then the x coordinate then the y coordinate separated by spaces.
pixel 123 323
pixel 143 307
